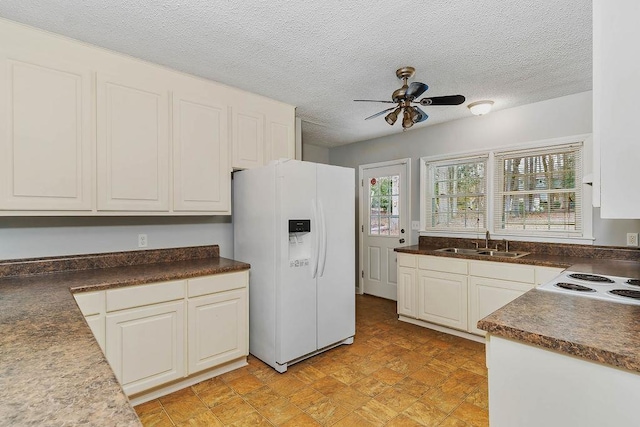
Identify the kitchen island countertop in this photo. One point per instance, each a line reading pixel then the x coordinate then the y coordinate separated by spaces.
pixel 52 371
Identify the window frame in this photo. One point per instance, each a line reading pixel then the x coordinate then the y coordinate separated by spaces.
pixel 427 166
pixel 585 236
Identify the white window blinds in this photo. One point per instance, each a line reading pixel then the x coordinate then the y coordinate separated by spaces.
pixel 456 194
pixel 539 191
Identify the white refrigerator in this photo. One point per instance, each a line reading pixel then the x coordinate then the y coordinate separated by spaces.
pixel 294 222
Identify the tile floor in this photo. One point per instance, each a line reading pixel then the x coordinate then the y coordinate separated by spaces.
pixel 395 374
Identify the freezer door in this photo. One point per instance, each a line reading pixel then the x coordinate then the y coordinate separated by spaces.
pixel 336 266
pixel 295 284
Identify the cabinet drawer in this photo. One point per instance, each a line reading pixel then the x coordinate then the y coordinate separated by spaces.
pixel 137 296
pixel 447 265
pixel 405 260
pixel 217 283
pixel 504 271
pixel 90 302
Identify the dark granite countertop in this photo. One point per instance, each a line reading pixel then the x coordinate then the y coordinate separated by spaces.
pixel 559 255
pixel 52 371
pixel 531 259
pixel 601 331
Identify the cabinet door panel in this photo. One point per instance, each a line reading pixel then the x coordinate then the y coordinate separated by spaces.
pixel 281 139
pixel 202 176
pixel 145 346
pixel 133 149
pixel 407 297
pixel 443 298
pixel 45 123
pixel 488 295
pixel 248 139
pixel 217 329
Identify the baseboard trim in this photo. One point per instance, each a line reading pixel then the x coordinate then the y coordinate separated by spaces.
pixel 444 329
pixel 155 393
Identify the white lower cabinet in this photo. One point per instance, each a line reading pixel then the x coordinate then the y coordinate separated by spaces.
pixel 145 346
pixel 457 293
pixel 487 295
pixel 407 289
pixel 442 298
pixel 217 329
pixel 162 333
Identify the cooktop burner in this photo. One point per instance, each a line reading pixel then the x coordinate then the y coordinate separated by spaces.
pixel 590 278
pixel 633 282
pixel 627 293
pixel 575 287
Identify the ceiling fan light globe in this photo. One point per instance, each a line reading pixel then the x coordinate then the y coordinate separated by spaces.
pixel 391 118
pixel 415 115
pixel 407 121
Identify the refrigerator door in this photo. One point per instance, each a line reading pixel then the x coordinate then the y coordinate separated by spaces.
pixel 295 284
pixel 336 266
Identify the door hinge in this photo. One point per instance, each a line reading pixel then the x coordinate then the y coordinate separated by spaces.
pixel 362 274
pixel 362 183
pixel 362 228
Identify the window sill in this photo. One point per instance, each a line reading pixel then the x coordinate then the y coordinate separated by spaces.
pixel 480 235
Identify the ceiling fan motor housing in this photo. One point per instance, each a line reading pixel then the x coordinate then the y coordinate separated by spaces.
pixel 406 95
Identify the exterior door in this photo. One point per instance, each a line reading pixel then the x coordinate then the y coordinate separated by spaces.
pixel 384 224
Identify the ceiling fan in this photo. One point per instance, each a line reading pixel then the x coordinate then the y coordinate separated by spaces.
pixel 407 95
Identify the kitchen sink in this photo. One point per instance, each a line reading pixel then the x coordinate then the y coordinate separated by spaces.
pixel 463 251
pixel 502 253
pixel 483 252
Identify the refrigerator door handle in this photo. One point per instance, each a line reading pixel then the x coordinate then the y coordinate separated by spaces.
pixel 316 240
pixel 323 243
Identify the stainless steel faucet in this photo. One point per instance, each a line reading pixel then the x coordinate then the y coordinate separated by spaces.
pixel 486 240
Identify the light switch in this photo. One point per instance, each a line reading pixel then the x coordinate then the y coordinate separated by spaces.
pixel 415 225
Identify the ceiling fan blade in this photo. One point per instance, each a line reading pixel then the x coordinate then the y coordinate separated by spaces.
pixel 443 100
pixel 422 116
pixel 373 100
pixel 415 90
pixel 380 113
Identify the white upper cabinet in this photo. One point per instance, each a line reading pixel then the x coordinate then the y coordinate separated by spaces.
pixel 45 133
pixel 281 136
pixel 133 142
pixel 616 88
pixel 263 130
pixel 85 131
pixel 201 169
pixel 248 137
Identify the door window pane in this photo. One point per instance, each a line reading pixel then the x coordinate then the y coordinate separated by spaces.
pixel 384 200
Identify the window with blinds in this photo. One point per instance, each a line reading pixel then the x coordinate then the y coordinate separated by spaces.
pixel 456 194
pixel 539 191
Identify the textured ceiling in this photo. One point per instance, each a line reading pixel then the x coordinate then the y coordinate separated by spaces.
pixel 321 55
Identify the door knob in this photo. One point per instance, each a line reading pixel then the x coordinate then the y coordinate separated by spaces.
pixel 402 230
pixel 401 240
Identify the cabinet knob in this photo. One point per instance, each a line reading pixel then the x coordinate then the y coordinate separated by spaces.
pixel 401 240
pixel 402 230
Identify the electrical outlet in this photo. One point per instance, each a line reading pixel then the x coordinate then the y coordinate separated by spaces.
pixel 415 225
pixel 142 240
pixel 632 239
